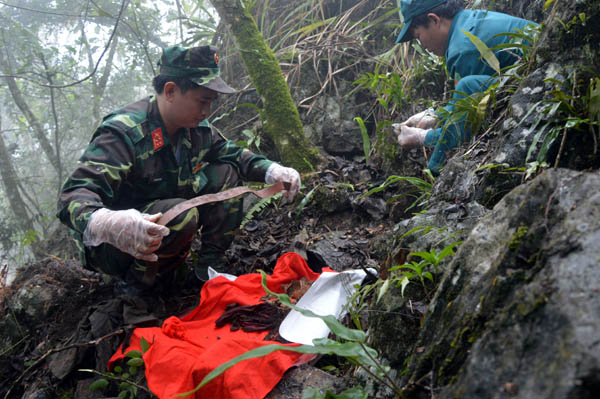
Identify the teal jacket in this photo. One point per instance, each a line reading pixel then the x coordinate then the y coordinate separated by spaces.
pixel 462 57
pixel 465 64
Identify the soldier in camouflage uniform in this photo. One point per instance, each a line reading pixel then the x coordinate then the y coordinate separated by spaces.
pixel 151 155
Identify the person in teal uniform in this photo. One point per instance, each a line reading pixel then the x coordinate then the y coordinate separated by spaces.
pixel 440 25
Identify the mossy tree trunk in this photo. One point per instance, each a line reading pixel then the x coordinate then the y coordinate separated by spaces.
pixel 283 124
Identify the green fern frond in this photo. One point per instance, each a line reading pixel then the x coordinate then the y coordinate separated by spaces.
pixel 258 207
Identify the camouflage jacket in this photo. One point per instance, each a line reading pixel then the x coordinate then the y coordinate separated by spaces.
pixel 131 162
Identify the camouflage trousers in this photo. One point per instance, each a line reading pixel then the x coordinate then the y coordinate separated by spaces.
pixel 215 224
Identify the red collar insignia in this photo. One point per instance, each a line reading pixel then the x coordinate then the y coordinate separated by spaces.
pixel 157 139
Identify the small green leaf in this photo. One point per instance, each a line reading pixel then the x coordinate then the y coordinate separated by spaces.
pixel 144 344
pixel 352 393
pixel 365 138
pixel 427 256
pixel 594 99
pixel 313 393
pixel 403 285
pixel 329 368
pixel 305 201
pixel 100 383
pixel 133 370
pixel 118 369
pixel 487 54
pixel 134 354
pixel 135 362
pixel 383 289
pixel 449 250
pixel 547 4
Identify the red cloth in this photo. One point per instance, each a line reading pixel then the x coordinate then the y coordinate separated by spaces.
pixel 185 350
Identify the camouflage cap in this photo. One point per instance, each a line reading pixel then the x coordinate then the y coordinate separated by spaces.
pixel 410 9
pixel 198 64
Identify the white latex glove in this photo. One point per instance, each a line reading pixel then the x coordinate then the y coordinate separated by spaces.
pixel 410 137
pixel 277 173
pixel 424 119
pixel 130 231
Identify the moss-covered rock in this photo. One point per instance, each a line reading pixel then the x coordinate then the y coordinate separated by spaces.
pixel 515 311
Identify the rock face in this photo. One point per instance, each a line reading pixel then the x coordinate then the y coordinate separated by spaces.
pixel 518 309
pixel 517 312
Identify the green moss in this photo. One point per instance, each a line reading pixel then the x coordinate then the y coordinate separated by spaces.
pixel 580 30
pixel 331 200
pixel 515 240
pixel 283 124
pixel 526 308
pixel 495 186
pixel 459 336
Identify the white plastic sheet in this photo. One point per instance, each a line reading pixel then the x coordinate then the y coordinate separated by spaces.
pixel 327 296
pixel 212 273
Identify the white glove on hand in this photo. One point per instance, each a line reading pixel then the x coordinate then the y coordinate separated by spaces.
pixel 129 230
pixel 277 173
pixel 410 137
pixel 424 119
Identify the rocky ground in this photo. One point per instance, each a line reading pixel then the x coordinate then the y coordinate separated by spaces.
pixel 48 329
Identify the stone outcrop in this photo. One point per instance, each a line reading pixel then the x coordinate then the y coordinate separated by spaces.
pixel 517 310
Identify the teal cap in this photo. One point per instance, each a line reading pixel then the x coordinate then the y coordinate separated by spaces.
pixel 410 9
pixel 198 64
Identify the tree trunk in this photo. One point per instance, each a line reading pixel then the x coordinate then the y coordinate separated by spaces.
pixel 10 183
pixel 34 123
pixel 49 77
pixel 99 85
pixel 283 124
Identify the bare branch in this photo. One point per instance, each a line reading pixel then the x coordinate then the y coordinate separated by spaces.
pixel 39 11
pixel 112 35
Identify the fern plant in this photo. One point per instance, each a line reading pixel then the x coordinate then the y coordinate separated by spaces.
pixel 425 269
pixel 564 112
pixel 423 189
pixel 258 208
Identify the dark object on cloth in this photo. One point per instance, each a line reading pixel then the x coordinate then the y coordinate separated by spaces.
pixel 260 317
